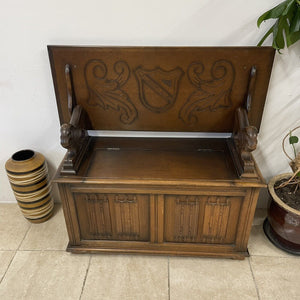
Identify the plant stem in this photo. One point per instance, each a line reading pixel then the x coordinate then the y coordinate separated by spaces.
pixel 290 181
pixel 294 148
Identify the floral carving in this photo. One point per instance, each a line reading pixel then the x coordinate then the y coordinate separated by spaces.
pixel 212 93
pixel 107 93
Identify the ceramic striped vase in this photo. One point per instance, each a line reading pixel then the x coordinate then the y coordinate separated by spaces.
pixel 28 175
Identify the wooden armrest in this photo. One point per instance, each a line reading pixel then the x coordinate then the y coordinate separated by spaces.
pixel 73 135
pixel 245 135
pixel 75 139
pixel 245 141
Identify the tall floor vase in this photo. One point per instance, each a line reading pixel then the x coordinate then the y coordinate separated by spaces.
pixel 28 176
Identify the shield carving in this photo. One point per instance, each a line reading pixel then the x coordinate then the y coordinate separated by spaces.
pixel 158 88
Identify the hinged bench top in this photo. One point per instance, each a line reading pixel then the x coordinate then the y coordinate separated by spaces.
pixel 161 88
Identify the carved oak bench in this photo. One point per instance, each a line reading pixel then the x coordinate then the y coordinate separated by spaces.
pixel 149 189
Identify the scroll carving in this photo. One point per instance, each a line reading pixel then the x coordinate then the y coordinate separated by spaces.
pixel 213 91
pixel 108 93
pixel 158 88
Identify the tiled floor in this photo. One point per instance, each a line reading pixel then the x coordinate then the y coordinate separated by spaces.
pixel 34 265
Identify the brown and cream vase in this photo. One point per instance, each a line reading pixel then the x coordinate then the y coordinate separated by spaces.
pixel 28 175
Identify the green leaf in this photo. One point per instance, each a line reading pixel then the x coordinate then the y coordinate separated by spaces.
pixel 265 36
pixel 294 37
pixel 293 139
pixel 295 21
pixel 290 6
pixel 291 13
pixel 275 12
pixel 278 33
pixel 286 29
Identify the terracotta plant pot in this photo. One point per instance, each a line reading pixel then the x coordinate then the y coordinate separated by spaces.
pixel 282 226
pixel 28 175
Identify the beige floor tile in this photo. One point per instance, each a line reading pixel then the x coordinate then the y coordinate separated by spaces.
pixel 277 277
pixel 36 275
pixel 127 277
pixel 50 235
pixel 13 227
pixel 259 244
pixel 196 278
pixel 5 259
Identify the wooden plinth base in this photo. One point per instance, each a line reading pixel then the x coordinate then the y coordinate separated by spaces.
pixel 93 250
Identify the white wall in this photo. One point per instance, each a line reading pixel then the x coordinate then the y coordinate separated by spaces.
pixel 28 114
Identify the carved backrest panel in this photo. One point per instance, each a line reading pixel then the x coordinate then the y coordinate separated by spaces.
pixel 161 88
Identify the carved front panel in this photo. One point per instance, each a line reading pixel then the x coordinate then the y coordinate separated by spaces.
pixel 182 216
pixel 201 219
pixel 186 218
pixel 94 216
pixel 99 221
pixel 113 216
pixel 127 216
pixel 216 219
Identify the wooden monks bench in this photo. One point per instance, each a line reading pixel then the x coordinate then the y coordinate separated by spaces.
pixel 159 143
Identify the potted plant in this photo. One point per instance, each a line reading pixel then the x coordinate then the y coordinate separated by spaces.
pixel 286 28
pixel 282 226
